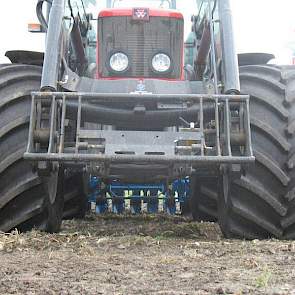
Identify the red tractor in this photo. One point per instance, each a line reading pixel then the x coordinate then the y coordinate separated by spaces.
pixel 112 108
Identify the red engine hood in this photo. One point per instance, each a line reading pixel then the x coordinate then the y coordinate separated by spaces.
pixel 129 12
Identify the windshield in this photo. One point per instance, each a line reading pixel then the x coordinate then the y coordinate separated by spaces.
pixel 186 7
pixel 165 4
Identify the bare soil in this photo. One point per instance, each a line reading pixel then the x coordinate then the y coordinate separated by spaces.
pixel 143 255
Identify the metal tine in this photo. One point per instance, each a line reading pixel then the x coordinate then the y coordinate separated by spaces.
pixel 52 124
pixel 62 132
pixel 227 128
pixel 202 126
pixel 78 123
pixel 32 125
pixel 217 128
pixel 248 130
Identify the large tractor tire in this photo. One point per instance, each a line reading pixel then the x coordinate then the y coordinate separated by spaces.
pixel 26 200
pixel 75 197
pixel 203 201
pixel 261 203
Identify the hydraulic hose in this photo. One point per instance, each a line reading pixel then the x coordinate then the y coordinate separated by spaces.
pixel 40 15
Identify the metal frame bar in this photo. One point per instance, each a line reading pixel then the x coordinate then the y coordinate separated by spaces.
pixel 135 97
pixel 212 47
pixel 137 158
pixel 67 154
pixel 52 125
pixel 217 128
pixel 202 127
pixel 62 133
pixel 32 125
pixel 227 129
pixel 78 124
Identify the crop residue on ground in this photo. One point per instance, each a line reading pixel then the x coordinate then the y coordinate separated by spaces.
pixel 143 255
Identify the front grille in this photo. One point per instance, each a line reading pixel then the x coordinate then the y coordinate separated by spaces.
pixel 140 41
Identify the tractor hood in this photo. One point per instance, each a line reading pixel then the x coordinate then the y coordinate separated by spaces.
pixel 140 34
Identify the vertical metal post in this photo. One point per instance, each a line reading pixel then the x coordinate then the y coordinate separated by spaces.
pixel 227 125
pixel 247 127
pixel 52 124
pixel 217 128
pixel 78 124
pixel 212 51
pixel 173 4
pixel 229 54
pixel 54 42
pixel 62 133
pixel 109 3
pixel 32 126
pixel 48 7
pixel 202 127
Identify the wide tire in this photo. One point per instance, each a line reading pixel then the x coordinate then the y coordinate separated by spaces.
pixel 288 221
pixel 24 198
pixel 203 200
pixel 75 197
pixel 256 205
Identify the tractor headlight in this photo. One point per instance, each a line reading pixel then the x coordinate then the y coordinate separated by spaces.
pixel 119 62
pixel 161 62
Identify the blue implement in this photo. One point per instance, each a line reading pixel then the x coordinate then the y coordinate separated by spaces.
pixel 138 194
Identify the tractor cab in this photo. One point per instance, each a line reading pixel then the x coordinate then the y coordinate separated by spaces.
pixel 131 38
pixel 163 4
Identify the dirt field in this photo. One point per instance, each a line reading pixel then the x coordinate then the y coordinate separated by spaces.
pixel 143 255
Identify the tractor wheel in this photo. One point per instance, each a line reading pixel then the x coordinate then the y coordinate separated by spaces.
pixel 288 221
pixel 203 201
pixel 26 200
pixel 256 205
pixel 75 197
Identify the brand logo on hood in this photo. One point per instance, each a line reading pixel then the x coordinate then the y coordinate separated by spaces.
pixel 141 14
pixel 140 86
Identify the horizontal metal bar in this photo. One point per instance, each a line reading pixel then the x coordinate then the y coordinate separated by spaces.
pixel 136 96
pixel 140 198
pixel 138 158
pixel 136 187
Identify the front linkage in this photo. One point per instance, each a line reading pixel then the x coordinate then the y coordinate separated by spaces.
pixel 144 162
pixel 221 124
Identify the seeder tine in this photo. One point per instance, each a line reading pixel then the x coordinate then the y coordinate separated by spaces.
pixel 170 205
pixel 152 204
pixel 135 202
pixel 152 201
pixel 102 205
pixel 135 205
pixel 118 205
